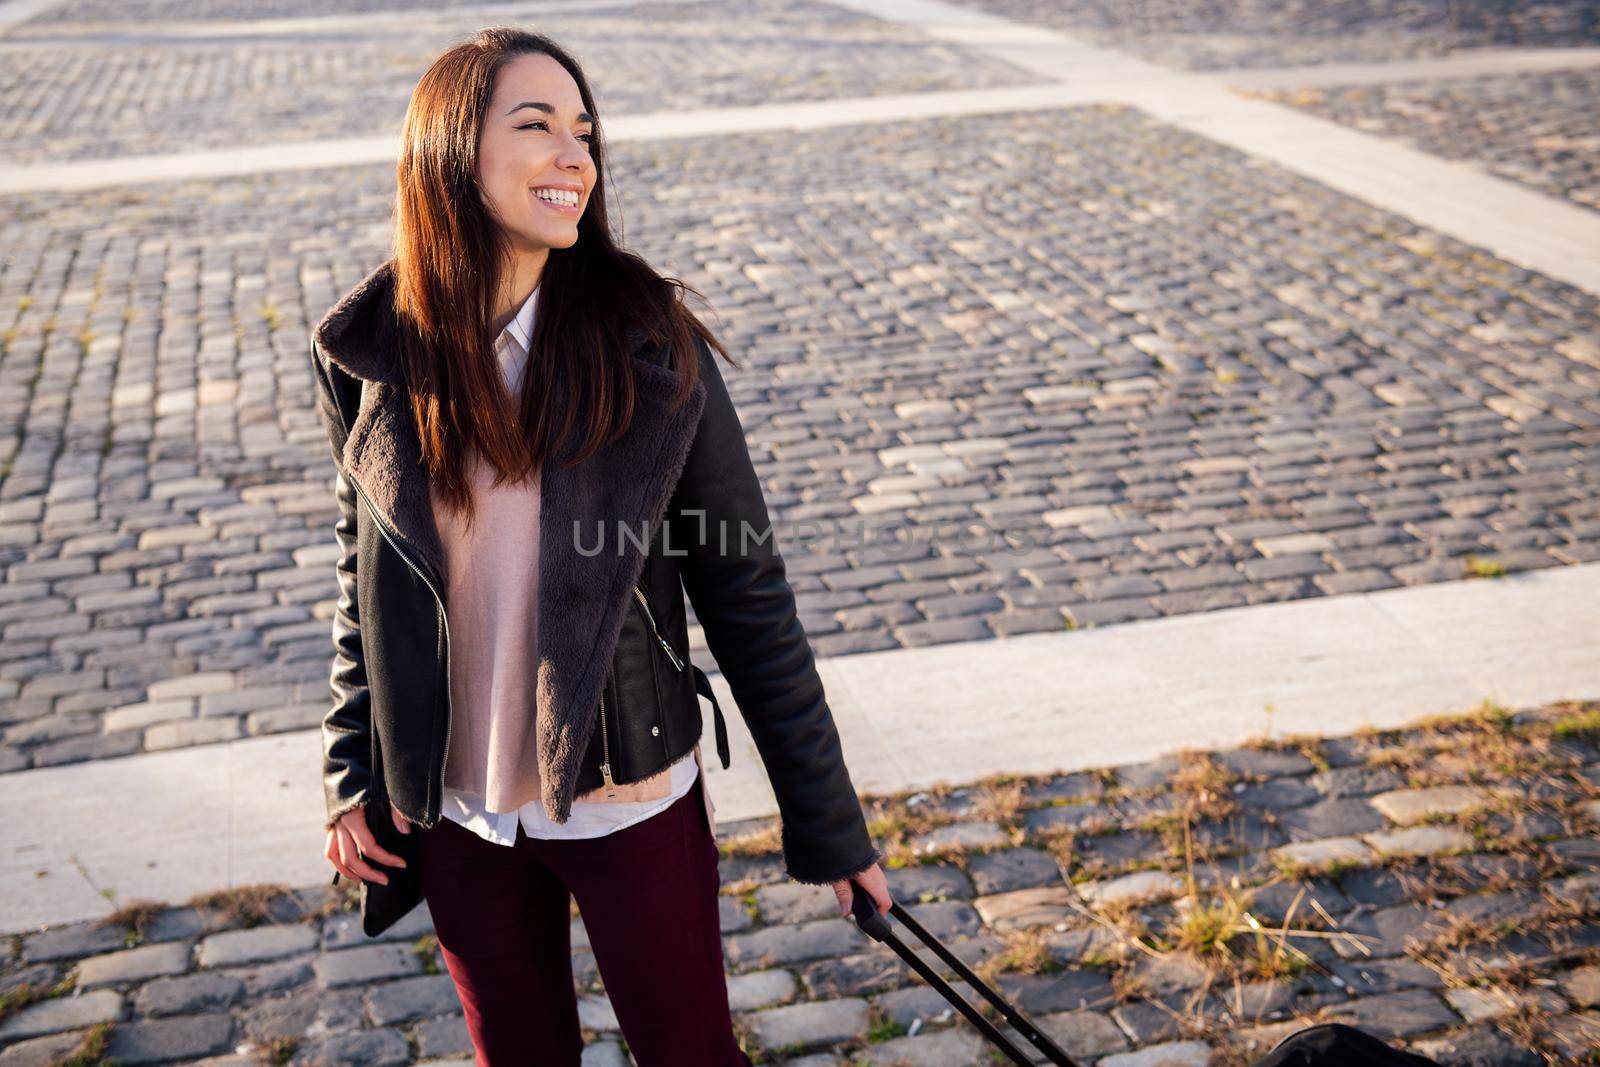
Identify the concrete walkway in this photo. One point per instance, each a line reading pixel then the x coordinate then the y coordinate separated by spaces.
pixel 87 837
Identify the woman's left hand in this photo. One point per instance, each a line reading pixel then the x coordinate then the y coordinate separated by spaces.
pixel 876 885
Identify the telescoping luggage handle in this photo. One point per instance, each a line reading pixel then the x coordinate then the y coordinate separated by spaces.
pixel 865 910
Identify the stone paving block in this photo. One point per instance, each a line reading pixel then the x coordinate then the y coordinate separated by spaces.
pixel 63 1013
pixel 353 966
pixel 274 977
pixel 41 1051
pixel 444 1036
pixel 1011 869
pixel 181 733
pixel 1170 1054
pixel 1083 1035
pixel 1071 990
pixel 1024 908
pixel 1151 1021
pixel 1326 853
pixel 856 974
pixel 1580 852
pixel 1375 887
pixel 1174 973
pixel 1357 781
pixel 802 1026
pixel 191 685
pixel 928 882
pixel 1573 1036
pixel 1387 931
pixel 1582 985
pixel 1410 806
pixel 820 1059
pixel 188 994
pixel 1275 794
pixel 778 945
pixel 1395 1015
pixel 1298 901
pixel 941 1048
pixel 1477 1045
pixel 301 1011
pixel 1337 817
pixel 1150 774
pixel 1480 1004
pixel 732 915
pixel 1137 888
pixel 948 920
pixel 73 940
pixel 793 902
pixel 761 989
pixel 134 964
pixel 1367 977
pixel 1420 841
pixel 1063 817
pixel 412 998
pixel 1115 850
pixel 176 1038
pixel 377 1048
pixel 604 1054
pixel 233 947
pixel 597 1013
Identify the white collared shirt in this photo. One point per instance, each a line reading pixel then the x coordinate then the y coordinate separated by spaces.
pixel 587 819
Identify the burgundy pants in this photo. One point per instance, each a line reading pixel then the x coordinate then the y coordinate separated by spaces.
pixel 648 896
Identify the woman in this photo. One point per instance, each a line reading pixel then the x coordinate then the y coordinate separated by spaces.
pixel 536 456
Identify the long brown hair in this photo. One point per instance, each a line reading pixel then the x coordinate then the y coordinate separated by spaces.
pixel 449 255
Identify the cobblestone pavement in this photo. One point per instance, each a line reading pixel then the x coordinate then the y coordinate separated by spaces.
pixel 1438 886
pixel 78 12
pixel 1177 379
pixel 135 95
pixel 1265 33
pixel 1538 129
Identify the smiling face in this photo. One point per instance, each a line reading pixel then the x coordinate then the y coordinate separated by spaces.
pixel 534 162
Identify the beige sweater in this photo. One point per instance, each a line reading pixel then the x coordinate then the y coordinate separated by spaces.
pixel 492 597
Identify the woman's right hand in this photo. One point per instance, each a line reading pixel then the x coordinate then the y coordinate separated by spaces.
pixel 350 842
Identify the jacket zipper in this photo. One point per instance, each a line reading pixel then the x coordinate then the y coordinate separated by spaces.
pixel 605 742
pixel 662 641
pixel 444 617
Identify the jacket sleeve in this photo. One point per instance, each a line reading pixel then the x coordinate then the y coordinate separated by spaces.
pixel 746 607
pixel 347 727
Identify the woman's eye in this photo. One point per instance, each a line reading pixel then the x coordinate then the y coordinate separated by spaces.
pixel 589 137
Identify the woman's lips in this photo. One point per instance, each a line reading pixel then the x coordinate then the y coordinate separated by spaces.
pixel 560 209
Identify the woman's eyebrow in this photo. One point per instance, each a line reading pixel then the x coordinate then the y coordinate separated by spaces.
pixel 583 116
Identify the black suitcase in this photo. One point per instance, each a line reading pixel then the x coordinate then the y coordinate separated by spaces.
pixel 1326 1045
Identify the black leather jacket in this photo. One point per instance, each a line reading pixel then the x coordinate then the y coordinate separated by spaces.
pixel 616 677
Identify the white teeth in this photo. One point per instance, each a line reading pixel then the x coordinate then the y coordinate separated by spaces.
pixel 558 196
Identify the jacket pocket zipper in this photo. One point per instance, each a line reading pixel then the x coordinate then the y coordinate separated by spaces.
pixel 662 641
pixel 444 618
pixel 605 742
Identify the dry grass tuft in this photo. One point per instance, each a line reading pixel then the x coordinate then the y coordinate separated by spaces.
pixel 245 905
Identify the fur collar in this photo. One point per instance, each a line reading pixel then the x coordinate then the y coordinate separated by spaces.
pixel 618 497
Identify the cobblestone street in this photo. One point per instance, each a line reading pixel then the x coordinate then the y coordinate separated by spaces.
pixel 1181 377
pixel 1410 882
